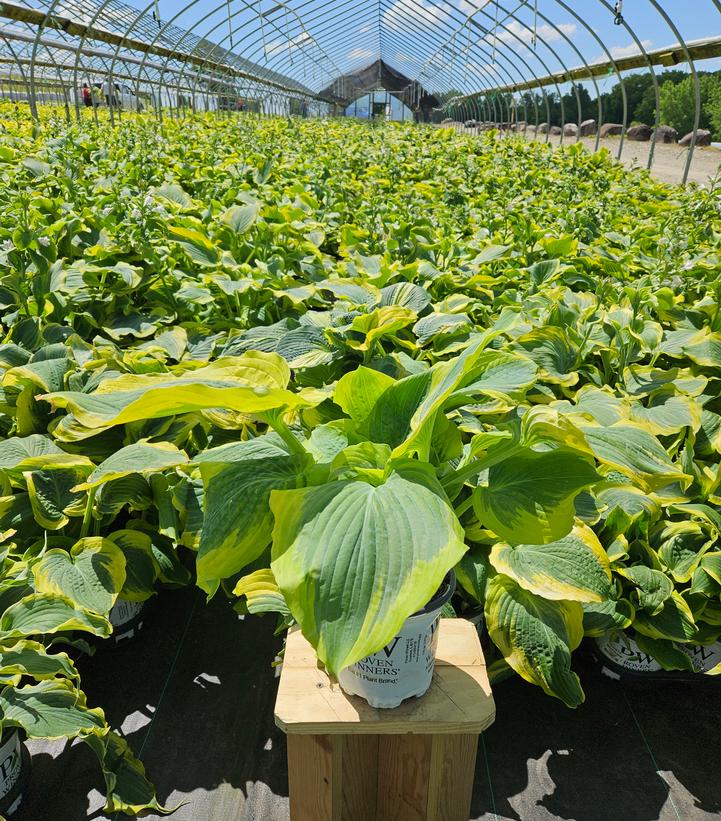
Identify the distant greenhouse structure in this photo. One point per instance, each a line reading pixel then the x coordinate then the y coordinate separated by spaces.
pixel 540 67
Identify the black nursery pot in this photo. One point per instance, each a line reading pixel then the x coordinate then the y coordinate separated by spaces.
pixel 14 771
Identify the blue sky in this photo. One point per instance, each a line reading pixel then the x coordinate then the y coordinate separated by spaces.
pixel 451 44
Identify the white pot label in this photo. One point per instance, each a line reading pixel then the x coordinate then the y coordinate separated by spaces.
pixel 703 657
pixel 622 650
pixel 10 764
pixel 124 611
pixel 401 669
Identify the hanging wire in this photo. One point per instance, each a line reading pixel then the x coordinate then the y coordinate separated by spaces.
pixel 495 34
pixel 534 39
pixel 156 13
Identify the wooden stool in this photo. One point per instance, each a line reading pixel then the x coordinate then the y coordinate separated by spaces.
pixel 350 762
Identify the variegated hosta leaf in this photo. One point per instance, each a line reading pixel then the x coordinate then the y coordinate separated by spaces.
pixel 262 593
pixel 354 560
pixel 603 617
pixel 139 458
pixel 48 613
pixel 30 658
pixel 252 383
pixel 635 453
pixel 574 568
pixel 674 621
pixel 528 497
pixel 554 353
pixel 128 790
pixel 238 524
pixel 140 567
pixel 536 636
pixel 91 574
pixel 653 588
pixel 50 709
pixel 55 495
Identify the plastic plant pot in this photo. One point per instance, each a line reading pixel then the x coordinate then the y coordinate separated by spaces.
pixel 126 618
pixel 404 667
pixel 621 657
pixel 14 772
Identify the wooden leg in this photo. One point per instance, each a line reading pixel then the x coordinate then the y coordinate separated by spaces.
pixel 450 787
pixel 314 777
pixel 381 777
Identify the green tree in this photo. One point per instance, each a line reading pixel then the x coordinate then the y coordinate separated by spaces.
pixel 678 102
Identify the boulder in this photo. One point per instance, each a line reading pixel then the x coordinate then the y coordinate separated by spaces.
pixel 542 128
pixel 639 133
pixel 588 128
pixel 611 130
pixel 703 137
pixel 520 126
pixel 570 130
pixel 665 134
pixel 555 131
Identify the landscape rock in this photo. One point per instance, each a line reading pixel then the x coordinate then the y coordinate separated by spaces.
pixel 703 137
pixel 611 130
pixel 570 130
pixel 665 134
pixel 542 128
pixel 639 133
pixel 555 130
pixel 588 128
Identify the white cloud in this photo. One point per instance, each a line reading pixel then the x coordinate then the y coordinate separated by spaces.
pixel 617 52
pixel 279 46
pixel 515 31
pixel 359 53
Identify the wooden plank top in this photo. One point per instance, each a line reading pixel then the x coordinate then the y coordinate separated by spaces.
pixel 459 700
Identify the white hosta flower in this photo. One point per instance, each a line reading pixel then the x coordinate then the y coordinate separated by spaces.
pixel 148 201
pixel 136 214
pixel 8 246
pixel 44 241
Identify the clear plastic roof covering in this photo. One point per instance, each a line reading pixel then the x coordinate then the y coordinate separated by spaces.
pixel 472 57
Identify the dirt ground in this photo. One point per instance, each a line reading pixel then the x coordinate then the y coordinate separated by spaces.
pixel 668 160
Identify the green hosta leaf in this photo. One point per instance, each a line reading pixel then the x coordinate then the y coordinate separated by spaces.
pixel 553 352
pixel 635 453
pixel 240 218
pixel 674 621
pixel 437 325
pixel 682 546
pixel 601 617
pixel 50 709
pixel 262 593
pixel 128 790
pixel 354 560
pixel 47 613
pixel 175 194
pixel 667 414
pixel 666 653
pixel 17 449
pixel 140 457
pixel 405 295
pixel 500 373
pixel 238 524
pixel 30 658
pixel 54 495
pixel 379 323
pixel 574 568
pixel 358 391
pixel 653 587
pixel 196 245
pixel 91 575
pixel 536 637
pixel 140 568
pixel 305 347
pixel 528 497
pixel 243 384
